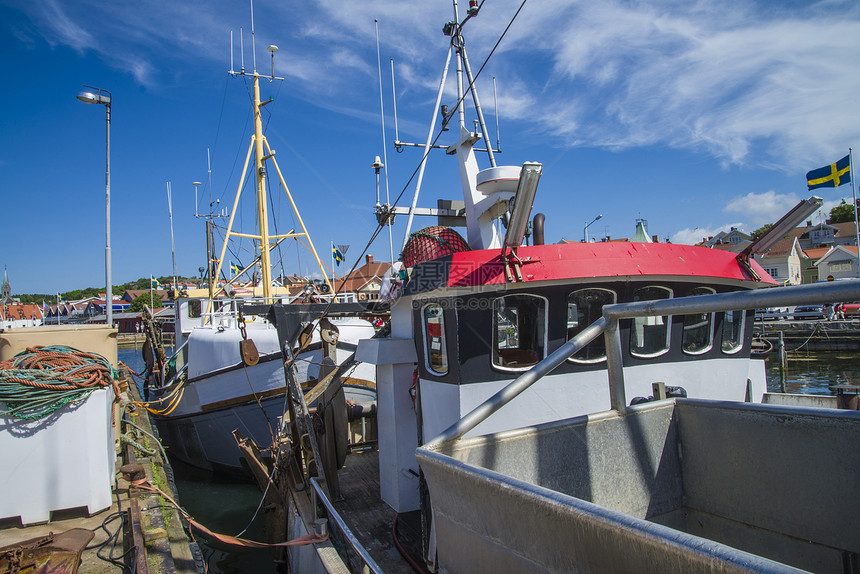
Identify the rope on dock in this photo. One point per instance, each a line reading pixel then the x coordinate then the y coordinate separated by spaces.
pixel 39 381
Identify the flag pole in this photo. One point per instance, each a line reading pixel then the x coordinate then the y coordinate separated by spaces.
pixel 332 261
pixel 854 197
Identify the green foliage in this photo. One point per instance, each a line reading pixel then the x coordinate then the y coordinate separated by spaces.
pixel 35 298
pixel 842 213
pixel 143 299
pixel 761 230
pixel 76 294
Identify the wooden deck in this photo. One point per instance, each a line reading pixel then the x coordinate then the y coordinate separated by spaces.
pixel 370 519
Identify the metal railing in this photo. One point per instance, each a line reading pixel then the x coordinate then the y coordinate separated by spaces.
pixel 608 325
pixel 370 564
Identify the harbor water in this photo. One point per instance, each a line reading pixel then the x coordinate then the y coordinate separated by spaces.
pixel 815 373
pixel 225 506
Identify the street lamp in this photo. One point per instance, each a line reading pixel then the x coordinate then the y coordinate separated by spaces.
pixel 103 97
pixel 585 229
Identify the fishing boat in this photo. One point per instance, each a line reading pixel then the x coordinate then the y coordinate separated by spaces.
pixel 227 373
pixel 587 407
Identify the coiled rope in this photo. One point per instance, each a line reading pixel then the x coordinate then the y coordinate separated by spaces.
pixel 39 381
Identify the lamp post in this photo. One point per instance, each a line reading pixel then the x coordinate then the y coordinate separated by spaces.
pixel 100 96
pixel 585 229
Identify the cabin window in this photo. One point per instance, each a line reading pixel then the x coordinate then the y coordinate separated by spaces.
pixel 649 336
pixel 698 328
pixel 584 307
pixel 434 339
pixel 733 331
pixel 194 308
pixel 519 331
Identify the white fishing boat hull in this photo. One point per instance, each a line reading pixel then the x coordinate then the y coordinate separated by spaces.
pixel 222 394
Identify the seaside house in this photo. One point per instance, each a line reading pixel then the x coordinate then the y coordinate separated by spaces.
pixel 784 261
pixel 15 315
pixel 840 262
pixel 365 281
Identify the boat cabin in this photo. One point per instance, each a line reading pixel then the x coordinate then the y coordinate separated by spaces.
pixel 461 332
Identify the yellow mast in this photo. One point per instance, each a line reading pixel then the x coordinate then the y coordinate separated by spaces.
pixel 262 212
pixel 259 145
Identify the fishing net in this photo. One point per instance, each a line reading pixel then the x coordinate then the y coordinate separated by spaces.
pixel 41 380
pixel 431 243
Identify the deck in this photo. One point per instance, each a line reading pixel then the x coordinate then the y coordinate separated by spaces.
pixel 371 519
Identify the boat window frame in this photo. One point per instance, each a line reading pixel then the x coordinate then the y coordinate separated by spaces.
pixel 426 340
pixel 740 332
pixel 668 319
pixel 194 309
pixel 494 333
pixel 572 358
pixel 711 317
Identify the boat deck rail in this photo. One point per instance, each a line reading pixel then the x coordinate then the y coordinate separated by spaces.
pixel 320 497
pixel 608 326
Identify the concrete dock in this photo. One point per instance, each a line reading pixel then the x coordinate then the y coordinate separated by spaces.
pixel 140 531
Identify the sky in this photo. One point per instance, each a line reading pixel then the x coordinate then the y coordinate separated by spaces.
pixel 694 116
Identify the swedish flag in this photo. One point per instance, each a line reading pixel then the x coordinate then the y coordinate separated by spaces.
pixel 235 268
pixel 338 256
pixel 153 282
pixel 832 175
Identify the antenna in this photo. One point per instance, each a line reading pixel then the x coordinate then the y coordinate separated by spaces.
pixel 272 49
pixel 242 49
pixel 231 52
pixel 172 245
pixel 196 184
pixel 496 105
pixel 398 147
pixel 384 149
pixel 209 174
pixel 253 46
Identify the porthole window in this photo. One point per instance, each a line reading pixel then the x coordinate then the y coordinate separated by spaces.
pixel 584 307
pixel 698 328
pixel 649 336
pixel 733 331
pixel 519 331
pixel 435 348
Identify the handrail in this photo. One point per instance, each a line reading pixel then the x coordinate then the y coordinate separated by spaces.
pixel 167 363
pixel 175 376
pixel 608 324
pixel 372 566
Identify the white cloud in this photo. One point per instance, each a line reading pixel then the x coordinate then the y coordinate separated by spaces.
pixel 748 82
pixel 692 236
pixel 761 208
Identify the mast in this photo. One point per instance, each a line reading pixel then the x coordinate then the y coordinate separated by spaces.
pixel 259 146
pixel 262 211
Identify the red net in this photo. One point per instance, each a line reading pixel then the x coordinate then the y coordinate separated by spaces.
pixel 431 243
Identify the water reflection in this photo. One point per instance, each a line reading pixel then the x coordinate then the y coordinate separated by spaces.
pixel 814 372
pixel 222 505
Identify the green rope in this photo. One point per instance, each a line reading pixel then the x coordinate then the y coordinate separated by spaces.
pixel 23 380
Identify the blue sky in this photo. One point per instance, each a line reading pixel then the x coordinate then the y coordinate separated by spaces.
pixel 695 116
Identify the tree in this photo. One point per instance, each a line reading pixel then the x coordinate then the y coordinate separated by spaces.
pixel 761 230
pixel 143 299
pixel 842 213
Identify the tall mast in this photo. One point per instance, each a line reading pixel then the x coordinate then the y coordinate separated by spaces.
pixel 263 153
pixel 262 211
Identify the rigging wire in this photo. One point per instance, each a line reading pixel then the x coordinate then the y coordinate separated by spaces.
pixel 379 226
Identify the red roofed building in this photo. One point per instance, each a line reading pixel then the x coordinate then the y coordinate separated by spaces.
pixel 364 281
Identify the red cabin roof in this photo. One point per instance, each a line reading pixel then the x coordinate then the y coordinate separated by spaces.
pixel 583 261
